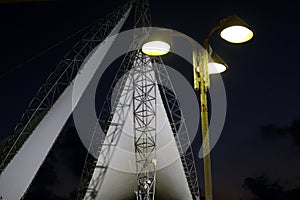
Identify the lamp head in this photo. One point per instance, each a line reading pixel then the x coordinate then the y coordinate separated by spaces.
pixel 156 48
pixel 235 30
pixel 216 64
pixel 158 43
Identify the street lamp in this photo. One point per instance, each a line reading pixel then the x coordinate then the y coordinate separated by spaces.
pixel 156 48
pixel 232 29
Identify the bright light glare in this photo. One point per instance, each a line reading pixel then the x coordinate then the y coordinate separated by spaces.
pixel 216 68
pixel 156 48
pixel 236 34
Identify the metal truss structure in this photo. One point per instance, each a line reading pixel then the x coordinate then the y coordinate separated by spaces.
pixel 56 82
pixel 140 74
pixel 144 140
pixel 178 125
pixel 144 112
pixel 88 188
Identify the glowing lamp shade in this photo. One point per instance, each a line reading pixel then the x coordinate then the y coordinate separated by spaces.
pixel 236 34
pixel 233 29
pixel 216 64
pixel 156 48
pixel 216 68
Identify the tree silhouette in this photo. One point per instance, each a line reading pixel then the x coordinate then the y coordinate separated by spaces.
pixel 269 131
pixel 262 189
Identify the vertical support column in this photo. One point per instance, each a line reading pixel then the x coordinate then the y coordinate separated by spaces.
pixel 204 86
pixel 202 83
pixel 144 112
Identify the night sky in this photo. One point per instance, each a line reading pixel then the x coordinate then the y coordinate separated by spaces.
pixel 260 140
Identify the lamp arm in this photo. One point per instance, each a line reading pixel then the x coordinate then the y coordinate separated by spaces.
pixel 214 29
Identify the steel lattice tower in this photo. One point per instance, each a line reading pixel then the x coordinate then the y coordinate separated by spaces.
pixel 144 108
pixel 141 84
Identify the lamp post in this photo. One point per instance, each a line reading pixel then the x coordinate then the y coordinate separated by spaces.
pixel 233 30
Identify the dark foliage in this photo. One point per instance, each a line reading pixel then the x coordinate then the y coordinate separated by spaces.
pixel 269 131
pixel 262 189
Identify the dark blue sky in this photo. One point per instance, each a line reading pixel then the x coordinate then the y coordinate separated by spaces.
pixel 262 82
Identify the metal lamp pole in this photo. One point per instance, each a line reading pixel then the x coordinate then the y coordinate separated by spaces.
pixel 202 83
pixel 235 30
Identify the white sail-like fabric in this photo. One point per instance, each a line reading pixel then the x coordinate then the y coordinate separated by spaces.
pixel 120 180
pixel 19 173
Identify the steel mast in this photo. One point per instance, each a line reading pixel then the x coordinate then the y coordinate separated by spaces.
pixel 145 74
pixel 144 112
